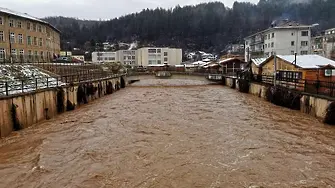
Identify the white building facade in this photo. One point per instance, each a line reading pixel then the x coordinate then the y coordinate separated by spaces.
pixel 102 57
pixel 127 57
pixel 151 56
pixel 284 38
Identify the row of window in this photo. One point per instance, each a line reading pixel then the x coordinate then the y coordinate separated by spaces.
pixel 271 45
pixel 266 37
pixel 19 24
pixel 106 58
pixel 20 52
pixel 128 57
pixel 30 40
pixel 153 51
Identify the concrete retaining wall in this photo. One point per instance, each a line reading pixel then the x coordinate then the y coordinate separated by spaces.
pixel 35 107
pixel 313 105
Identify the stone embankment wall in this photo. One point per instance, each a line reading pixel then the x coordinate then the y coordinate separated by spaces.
pixel 24 110
pixel 310 104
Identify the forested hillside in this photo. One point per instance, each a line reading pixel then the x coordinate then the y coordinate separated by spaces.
pixel 207 26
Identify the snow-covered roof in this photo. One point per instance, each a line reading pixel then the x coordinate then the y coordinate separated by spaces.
pixel 308 61
pixel 258 61
pixel 25 15
pixel 226 60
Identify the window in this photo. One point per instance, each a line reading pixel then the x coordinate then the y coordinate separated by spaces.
pixel 40 42
pixel 292 43
pixel 20 37
pixel 273 35
pixel 21 53
pixel 304 33
pixel 14 52
pixel 292 34
pixel 40 28
pixel 124 57
pixel 2 38
pixel 304 43
pixel 151 50
pixel 28 26
pixel 19 24
pixel 111 58
pixel 30 53
pixel 304 52
pixel 159 51
pixel 266 45
pixel 150 62
pixel 133 57
pixel 35 41
pixel 2 53
pixel 292 52
pixel 106 58
pixel 1 21
pixel 12 37
pixel 29 40
pixel 11 23
pixel 272 44
pixel 165 59
pixel 129 57
pixel 34 27
pixel 159 62
pixel 36 54
pixel 42 54
pixel 165 54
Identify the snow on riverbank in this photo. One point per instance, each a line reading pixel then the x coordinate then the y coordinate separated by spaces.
pixel 24 78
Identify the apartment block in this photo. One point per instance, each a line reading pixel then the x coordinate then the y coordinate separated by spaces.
pixel 104 57
pixel 26 38
pixel 151 56
pixel 148 56
pixel 127 57
pixel 283 38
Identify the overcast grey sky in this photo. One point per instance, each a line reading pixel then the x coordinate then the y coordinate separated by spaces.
pixel 95 9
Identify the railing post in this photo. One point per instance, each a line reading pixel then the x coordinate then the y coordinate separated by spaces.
pixel 36 83
pixel 57 81
pixel 47 82
pixel 22 85
pixel 6 84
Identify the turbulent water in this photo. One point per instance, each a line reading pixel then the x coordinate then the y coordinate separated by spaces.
pixel 185 135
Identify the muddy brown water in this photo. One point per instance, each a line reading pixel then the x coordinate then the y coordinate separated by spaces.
pixel 172 133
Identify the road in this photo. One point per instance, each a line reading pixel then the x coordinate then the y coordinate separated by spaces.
pixel 172 133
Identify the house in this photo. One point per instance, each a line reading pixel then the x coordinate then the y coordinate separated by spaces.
pixel 255 64
pixel 282 38
pixel 309 67
pixel 232 65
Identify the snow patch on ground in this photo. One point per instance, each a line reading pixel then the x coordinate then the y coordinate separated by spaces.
pixel 24 78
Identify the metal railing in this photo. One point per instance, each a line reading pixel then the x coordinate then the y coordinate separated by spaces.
pixel 318 87
pixel 17 86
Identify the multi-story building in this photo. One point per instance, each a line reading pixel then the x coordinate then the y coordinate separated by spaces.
pixel 283 38
pixel 151 56
pixel 100 57
pixel 26 38
pixel 329 43
pixel 127 57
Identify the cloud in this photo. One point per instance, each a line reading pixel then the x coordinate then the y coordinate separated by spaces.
pixel 95 9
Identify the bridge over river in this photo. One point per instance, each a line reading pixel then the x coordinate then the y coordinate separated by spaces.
pixel 180 134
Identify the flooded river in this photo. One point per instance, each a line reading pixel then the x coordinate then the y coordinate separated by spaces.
pixel 172 133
